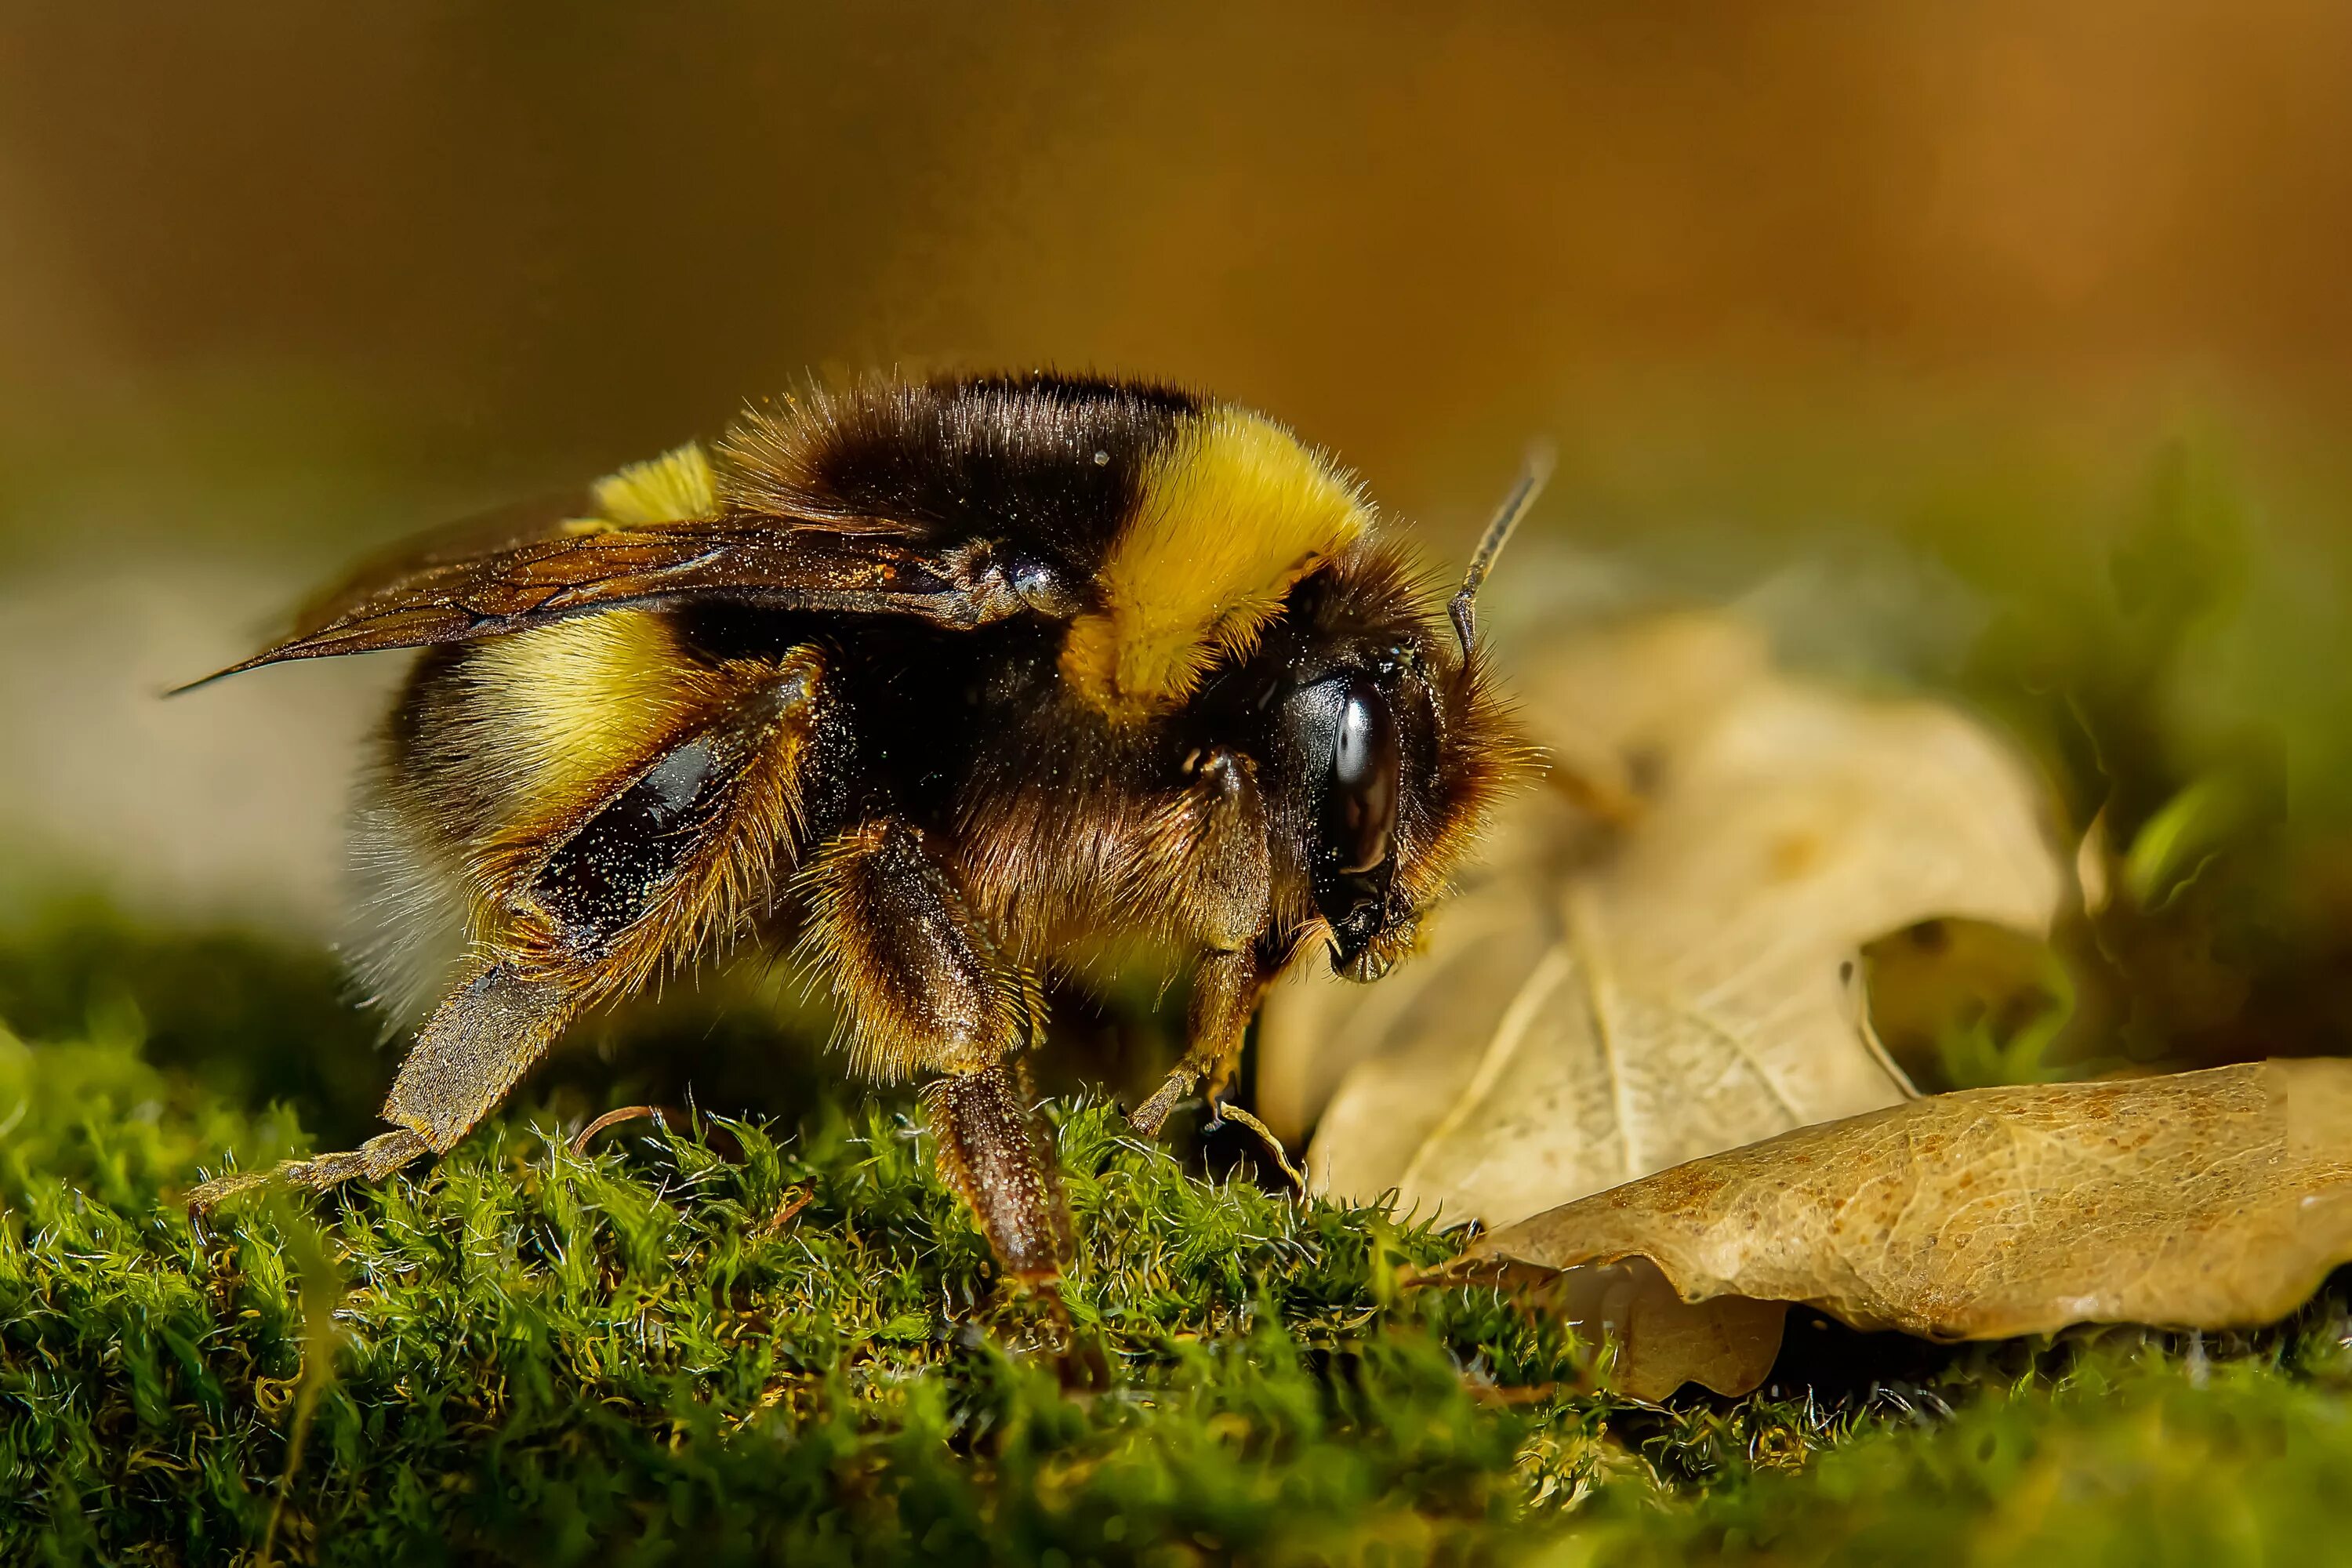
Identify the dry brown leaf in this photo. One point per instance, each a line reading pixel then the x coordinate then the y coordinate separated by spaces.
pixel 2215 1199
pixel 1655 1341
pixel 1606 1005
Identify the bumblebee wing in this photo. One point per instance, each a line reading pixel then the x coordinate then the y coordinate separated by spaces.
pixel 454 588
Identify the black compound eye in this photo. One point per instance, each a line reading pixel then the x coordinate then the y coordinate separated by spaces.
pixel 1344 739
pixel 1361 820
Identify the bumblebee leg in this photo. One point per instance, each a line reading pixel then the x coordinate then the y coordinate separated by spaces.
pixel 676 847
pixel 1207 848
pixel 471 1051
pixel 1225 992
pixel 373 1161
pixel 923 987
pixel 991 1154
pixel 1201 863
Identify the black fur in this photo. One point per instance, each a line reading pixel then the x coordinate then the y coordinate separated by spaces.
pixel 1053 461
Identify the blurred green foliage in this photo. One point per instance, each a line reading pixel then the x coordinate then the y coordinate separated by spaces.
pixel 253 1019
pixel 2112 1462
pixel 2171 681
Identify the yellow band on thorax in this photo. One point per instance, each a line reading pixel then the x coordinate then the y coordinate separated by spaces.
pixel 1229 518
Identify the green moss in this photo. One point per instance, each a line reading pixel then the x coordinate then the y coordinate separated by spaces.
pixel 545 1357
pixel 660 1352
pixel 2147 1461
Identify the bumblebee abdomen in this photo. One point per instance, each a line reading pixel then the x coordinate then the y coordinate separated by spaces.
pixel 555 791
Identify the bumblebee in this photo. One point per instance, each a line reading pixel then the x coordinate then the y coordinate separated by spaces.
pixel 933 686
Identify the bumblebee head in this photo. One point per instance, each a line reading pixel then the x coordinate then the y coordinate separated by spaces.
pixel 1248 600
pixel 1385 745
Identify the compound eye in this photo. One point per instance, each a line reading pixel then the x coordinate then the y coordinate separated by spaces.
pixel 1361 817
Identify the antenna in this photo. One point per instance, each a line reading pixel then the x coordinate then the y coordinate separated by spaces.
pixel 1533 473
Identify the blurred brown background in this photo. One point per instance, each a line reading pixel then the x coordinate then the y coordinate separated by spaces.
pixel 1884 308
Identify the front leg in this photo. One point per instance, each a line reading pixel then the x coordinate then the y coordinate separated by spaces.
pixel 923 987
pixel 1205 857
pixel 1226 989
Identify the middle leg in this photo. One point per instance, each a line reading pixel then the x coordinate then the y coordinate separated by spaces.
pixel 924 987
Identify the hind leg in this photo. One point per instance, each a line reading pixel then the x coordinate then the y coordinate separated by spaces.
pixel 472 1050
pixel 581 896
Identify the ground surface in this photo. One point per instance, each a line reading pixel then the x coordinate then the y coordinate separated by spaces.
pixel 736 1344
